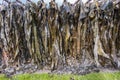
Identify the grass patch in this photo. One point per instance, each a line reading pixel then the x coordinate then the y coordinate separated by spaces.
pixel 92 76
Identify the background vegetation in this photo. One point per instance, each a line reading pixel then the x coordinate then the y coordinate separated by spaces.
pixel 92 76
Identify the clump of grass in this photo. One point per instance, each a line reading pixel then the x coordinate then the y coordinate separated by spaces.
pixel 92 76
pixel 2 77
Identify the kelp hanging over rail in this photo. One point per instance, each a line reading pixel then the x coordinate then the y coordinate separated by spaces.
pixel 50 36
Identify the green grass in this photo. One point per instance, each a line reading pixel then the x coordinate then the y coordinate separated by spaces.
pixel 92 76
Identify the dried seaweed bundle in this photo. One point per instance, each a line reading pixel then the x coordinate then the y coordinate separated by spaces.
pixel 50 36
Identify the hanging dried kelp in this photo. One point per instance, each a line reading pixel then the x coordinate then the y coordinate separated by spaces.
pixel 50 36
